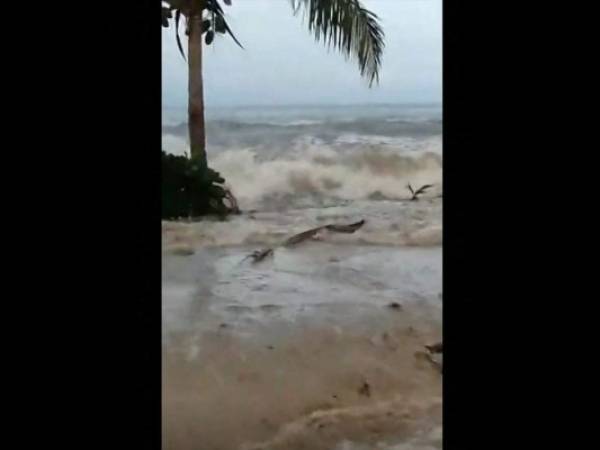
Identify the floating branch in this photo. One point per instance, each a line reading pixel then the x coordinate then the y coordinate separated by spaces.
pixel 421 190
pixel 301 237
pixel 260 255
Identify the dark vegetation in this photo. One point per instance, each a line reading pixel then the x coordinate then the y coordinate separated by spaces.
pixel 188 191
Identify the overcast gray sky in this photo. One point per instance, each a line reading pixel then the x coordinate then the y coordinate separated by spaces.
pixel 282 64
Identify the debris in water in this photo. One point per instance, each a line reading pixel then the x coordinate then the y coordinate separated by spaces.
pixel 345 228
pixel 365 389
pixel 434 348
pixel 182 251
pixel 421 190
pixel 259 255
pixel 301 237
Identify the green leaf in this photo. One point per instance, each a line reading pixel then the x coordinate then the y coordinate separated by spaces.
pixel 210 35
pixel 205 25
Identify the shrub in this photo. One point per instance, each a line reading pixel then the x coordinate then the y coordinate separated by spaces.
pixel 188 190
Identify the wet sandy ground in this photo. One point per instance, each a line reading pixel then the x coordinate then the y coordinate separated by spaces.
pixel 302 351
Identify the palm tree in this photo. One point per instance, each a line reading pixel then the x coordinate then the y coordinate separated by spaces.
pixel 345 25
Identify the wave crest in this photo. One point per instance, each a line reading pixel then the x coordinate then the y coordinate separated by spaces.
pixel 324 174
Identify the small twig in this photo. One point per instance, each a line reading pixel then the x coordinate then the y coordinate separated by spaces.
pixel 259 255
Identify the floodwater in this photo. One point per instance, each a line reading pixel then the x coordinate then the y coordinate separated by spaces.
pixel 318 347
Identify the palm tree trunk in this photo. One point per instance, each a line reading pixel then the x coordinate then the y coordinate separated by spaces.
pixel 196 91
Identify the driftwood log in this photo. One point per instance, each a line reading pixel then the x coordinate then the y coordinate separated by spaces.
pixel 260 255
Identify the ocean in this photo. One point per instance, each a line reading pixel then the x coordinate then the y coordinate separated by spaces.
pixel 275 157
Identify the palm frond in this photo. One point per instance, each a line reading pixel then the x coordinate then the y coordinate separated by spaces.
pixel 348 27
pixel 217 11
pixel 177 18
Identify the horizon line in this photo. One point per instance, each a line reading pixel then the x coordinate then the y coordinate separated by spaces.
pixel 305 105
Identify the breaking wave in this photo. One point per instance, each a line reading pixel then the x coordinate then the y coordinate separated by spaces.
pixel 320 173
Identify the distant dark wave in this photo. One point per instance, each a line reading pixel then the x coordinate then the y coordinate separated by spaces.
pixel 322 128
